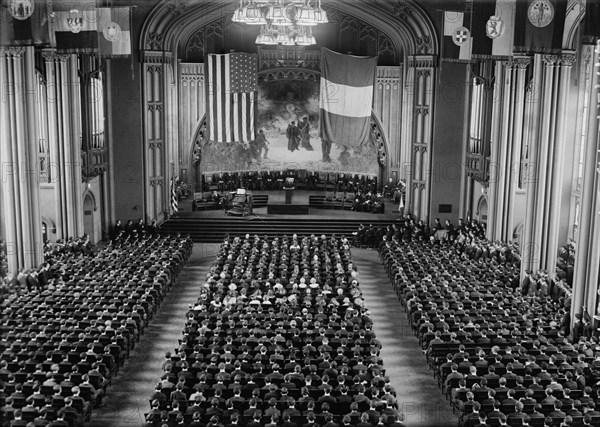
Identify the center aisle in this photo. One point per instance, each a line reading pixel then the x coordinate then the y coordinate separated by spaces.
pixel 419 397
pixel 128 398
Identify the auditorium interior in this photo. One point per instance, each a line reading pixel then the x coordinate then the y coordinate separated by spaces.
pixel 299 213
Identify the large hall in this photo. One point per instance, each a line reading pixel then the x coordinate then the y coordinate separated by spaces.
pixel 299 213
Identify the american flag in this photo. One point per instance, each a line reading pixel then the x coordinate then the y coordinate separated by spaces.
pixel 231 96
pixel 174 198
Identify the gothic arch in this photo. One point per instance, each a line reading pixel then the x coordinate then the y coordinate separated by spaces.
pixel 410 29
pixel 410 33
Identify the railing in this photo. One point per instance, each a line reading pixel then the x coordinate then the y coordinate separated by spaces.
pixel 478 167
pixel 288 57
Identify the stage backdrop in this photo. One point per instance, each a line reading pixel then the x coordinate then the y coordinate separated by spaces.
pixel 281 102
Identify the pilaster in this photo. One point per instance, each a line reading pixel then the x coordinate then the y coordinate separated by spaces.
pixel 587 259
pixel 419 183
pixel 19 159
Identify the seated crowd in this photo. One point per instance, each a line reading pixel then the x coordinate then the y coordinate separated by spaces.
pixel 499 349
pixel 67 327
pixel 279 335
pixel 566 263
pixel 468 236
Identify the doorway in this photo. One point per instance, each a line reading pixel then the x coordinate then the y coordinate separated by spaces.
pixel 88 217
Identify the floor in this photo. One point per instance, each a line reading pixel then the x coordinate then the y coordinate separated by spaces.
pixel 128 397
pixel 418 395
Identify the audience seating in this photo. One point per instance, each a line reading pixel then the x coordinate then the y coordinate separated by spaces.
pixel 279 329
pixel 499 348
pixel 67 327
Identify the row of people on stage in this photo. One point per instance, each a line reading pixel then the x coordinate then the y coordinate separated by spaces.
pixel 394 190
pixel 369 202
pixel 275 180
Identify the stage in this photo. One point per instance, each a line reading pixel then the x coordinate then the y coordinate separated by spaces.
pixel 317 204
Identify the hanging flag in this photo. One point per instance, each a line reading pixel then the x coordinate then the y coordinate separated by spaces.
pixel 114 36
pixel 73 27
pixel 174 199
pixel 458 41
pixel 591 28
pixel 28 26
pixel 231 87
pixel 346 98
pixel 493 28
pixel 539 26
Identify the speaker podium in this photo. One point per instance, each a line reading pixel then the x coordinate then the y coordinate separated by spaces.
pixel 289 195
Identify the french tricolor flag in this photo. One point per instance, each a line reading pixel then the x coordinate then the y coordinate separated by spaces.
pixel 346 100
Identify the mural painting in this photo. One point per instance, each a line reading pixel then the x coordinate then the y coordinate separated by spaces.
pixel 288 137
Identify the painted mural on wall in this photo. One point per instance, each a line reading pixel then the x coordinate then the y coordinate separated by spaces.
pixel 288 137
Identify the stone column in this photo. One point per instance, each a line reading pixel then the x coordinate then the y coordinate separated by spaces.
pixel 19 159
pixel 156 159
pixel 506 141
pixel 419 184
pixel 64 135
pixel 495 151
pixel 544 210
pixel 587 251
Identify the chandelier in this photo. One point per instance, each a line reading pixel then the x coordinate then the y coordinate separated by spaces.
pixel 285 22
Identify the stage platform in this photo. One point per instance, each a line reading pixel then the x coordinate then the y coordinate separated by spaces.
pixel 210 226
pixel 301 198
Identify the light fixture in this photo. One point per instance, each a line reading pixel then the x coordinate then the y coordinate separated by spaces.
pixel 286 22
pixel 252 14
pixel 266 36
pixel 306 15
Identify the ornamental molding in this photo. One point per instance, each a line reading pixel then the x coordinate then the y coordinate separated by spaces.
pixel 288 74
pixel 519 62
pixel 421 110
pixel 13 51
pixel 156 57
pixel 421 61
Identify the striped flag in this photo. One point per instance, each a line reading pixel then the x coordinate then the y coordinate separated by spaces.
pixel 174 199
pixel 231 87
pixel 114 36
pixel 493 28
pixel 73 27
pixel 458 41
pixel 346 97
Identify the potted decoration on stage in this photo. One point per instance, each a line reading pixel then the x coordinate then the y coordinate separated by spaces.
pixel 289 184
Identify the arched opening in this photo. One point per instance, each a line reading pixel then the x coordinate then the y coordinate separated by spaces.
pixel 88 217
pixel 44 232
pixel 517 237
pixel 482 210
